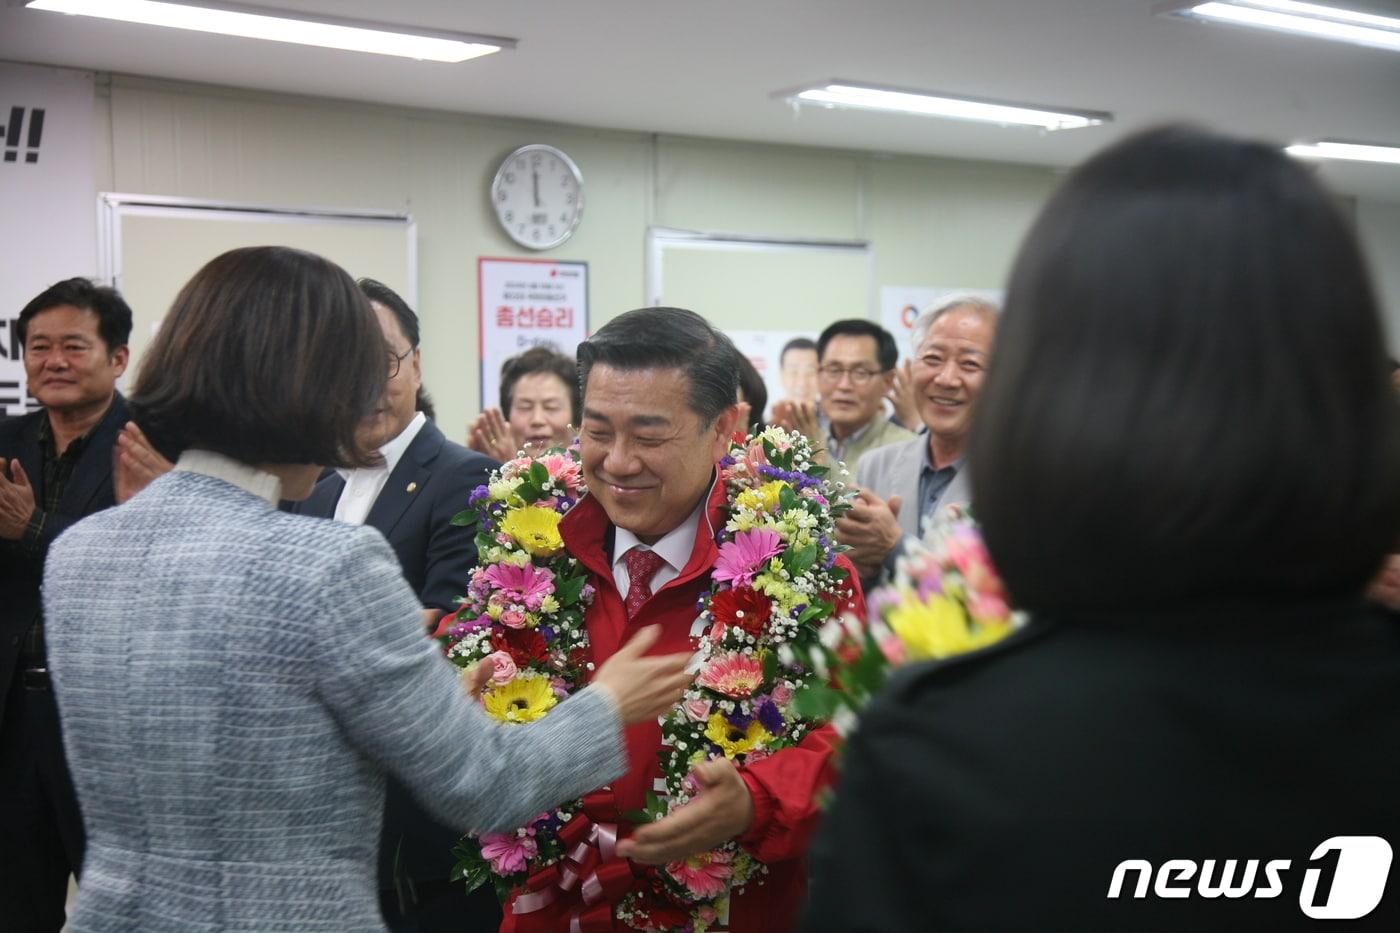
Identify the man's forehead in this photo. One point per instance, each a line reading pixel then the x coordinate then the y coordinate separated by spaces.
pixel 852 346
pixel 63 321
pixel 964 331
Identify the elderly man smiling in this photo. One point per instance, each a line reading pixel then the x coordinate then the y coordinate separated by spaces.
pixel 904 485
pixel 657 417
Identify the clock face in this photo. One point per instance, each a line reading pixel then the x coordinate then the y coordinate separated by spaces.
pixel 538 196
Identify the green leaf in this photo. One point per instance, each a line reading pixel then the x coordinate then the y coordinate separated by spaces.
pixel 802 560
pixel 528 492
pixel 787 499
pixel 539 476
pixel 818 610
pixel 466 518
pixel 770 666
pixel 816 701
pixel 568 590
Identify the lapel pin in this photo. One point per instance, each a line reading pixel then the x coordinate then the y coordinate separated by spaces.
pixel 412 486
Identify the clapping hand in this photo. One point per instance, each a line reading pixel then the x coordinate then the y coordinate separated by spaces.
pixel 871 530
pixel 135 462
pixel 902 397
pixel 16 500
pixel 800 416
pixel 490 434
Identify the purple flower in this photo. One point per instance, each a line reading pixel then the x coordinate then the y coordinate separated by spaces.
pixel 738 719
pixel 798 480
pixel 479 494
pixel 769 716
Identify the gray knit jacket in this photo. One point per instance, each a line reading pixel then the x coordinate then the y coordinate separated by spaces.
pixel 234 682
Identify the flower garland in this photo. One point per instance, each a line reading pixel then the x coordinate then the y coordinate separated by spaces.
pixel 775 582
pixel 523 615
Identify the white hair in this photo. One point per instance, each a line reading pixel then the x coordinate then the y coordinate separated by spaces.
pixel 979 303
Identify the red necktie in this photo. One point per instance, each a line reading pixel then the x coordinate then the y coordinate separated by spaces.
pixel 642 565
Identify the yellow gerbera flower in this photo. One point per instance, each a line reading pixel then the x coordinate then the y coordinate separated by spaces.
pixel 536 529
pixel 938 628
pixel 733 741
pixel 763 499
pixel 524 699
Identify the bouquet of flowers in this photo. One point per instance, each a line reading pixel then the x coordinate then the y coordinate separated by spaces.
pixel 774 584
pixel 945 599
pixel 523 615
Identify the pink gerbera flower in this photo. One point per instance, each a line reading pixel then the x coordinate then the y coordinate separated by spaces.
pixel 740 559
pixel 705 874
pixel 733 674
pixel 508 852
pixel 527 585
pixel 565 471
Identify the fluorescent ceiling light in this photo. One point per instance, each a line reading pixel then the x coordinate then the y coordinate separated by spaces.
pixel 280 26
pixel 1307 19
pixel 1352 152
pixel 844 94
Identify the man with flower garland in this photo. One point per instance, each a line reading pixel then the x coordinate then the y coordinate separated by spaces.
pixel 658 416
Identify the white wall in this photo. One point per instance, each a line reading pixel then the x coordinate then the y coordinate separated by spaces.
pixel 931 222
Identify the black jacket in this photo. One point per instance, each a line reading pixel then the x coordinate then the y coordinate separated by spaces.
pixel 89 490
pixel 1001 790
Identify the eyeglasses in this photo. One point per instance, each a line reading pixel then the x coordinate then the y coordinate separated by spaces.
pixel 396 361
pixel 859 374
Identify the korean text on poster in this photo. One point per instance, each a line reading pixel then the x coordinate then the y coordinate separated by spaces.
pixel 526 303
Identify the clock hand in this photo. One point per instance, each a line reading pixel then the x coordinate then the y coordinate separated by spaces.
pixel 537 189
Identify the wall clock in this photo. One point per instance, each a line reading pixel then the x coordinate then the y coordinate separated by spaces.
pixel 538 196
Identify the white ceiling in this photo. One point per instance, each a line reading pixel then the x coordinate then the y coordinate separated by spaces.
pixel 708 68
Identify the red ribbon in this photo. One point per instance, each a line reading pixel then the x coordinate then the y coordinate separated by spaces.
pixel 597 919
pixel 590 843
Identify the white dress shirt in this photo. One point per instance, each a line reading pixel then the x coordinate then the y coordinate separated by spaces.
pixel 363 485
pixel 674 548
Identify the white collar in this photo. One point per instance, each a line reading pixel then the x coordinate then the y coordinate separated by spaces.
pixel 263 485
pixel 392 452
pixel 674 547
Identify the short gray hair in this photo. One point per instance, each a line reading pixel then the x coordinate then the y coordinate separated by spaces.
pixel 978 303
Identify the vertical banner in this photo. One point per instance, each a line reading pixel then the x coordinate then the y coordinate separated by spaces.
pixel 48 186
pixel 526 303
pixel 901 305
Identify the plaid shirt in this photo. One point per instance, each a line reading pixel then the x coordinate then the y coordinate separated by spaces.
pixel 57 470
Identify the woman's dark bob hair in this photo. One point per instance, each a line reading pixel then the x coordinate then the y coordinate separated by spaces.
pixel 1189 398
pixel 268 355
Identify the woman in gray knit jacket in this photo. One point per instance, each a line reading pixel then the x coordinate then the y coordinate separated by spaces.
pixel 234 682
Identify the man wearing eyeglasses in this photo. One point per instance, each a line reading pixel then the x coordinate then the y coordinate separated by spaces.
pixel 425 480
pixel 855 371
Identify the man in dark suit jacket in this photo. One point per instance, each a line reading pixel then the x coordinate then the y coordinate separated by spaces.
pixel 425 480
pixel 55 468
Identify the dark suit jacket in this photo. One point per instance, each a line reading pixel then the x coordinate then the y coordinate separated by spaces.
pixel 89 490
pixel 437 558
pixel 1001 790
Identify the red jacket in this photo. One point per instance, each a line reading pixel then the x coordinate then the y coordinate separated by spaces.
pixel 783 785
